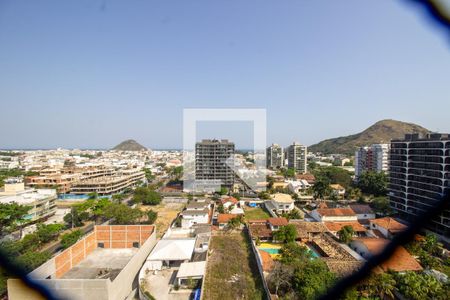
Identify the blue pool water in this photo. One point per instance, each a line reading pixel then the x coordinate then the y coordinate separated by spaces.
pixel 270 250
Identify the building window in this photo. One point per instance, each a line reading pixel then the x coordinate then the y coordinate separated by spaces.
pixel 135 244
pixel 101 245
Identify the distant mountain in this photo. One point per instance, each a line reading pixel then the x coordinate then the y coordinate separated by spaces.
pixel 380 132
pixel 129 145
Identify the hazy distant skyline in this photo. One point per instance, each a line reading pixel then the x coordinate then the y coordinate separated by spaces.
pixel 90 74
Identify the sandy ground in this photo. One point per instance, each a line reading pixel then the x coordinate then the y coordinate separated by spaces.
pixel 167 212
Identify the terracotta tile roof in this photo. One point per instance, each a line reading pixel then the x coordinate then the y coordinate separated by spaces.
pixel 336 226
pixel 322 205
pixel 304 228
pixel 224 218
pixel 361 208
pixel 390 224
pixel 308 177
pixel 400 260
pixel 342 268
pixel 260 230
pixel 278 221
pixel 334 212
pixel 257 221
pixel 229 199
pixel 267 261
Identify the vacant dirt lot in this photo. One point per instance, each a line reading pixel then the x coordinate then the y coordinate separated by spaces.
pixel 232 272
pixel 167 212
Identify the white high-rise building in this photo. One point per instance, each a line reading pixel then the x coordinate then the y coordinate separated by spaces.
pixel 275 156
pixel 297 157
pixel 372 158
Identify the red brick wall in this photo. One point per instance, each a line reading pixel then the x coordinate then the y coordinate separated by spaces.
pixel 112 236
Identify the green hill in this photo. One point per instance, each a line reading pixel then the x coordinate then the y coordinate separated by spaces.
pixel 129 145
pixel 380 132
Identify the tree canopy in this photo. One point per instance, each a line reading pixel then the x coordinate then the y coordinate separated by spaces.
pixel 146 196
pixel 373 183
pixel 286 234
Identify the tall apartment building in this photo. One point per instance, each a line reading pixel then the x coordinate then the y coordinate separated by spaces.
pixel 41 202
pixel 372 158
pixel 210 161
pixel 109 184
pixel 275 156
pixel 296 155
pixel 419 176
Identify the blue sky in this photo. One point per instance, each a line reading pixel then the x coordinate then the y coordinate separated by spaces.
pixel 90 74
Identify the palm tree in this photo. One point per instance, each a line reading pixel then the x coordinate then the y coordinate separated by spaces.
pixel 382 285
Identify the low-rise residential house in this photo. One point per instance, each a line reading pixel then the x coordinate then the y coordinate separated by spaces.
pixel 260 231
pixel 387 227
pixel 276 223
pixel 196 213
pixel 189 272
pixel 400 261
pixel 279 185
pixel 334 215
pixel 169 253
pixel 227 202
pixel 334 227
pixel 363 211
pixel 310 178
pixel 337 190
pixel 193 217
pixel 306 230
pixel 282 203
pixel 298 186
pixel 223 219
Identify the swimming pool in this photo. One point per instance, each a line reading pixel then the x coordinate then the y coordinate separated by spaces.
pixel 272 251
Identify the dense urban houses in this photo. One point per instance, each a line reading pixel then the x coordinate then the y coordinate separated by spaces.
pixel 210 161
pixel 275 156
pixel 296 155
pixel 372 158
pixel 420 176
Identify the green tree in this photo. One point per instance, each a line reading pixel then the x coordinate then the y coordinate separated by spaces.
pixel 311 279
pixel 220 208
pixel 264 195
pixel 151 216
pixel 335 175
pixel 75 218
pixel 235 222
pixel 373 183
pixel 321 188
pixel 146 196
pixel 237 196
pixel 286 234
pixel 431 244
pixel 122 214
pixel 46 233
pixel 31 260
pixel 418 286
pixel 148 174
pixel 293 252
pixel 346 234
pixel 223 191
pixel 289 173
pixel 293 214
pixel 10 213
pixel 71 238
pixel 380 285
pixel 381 205
pixel 93 195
